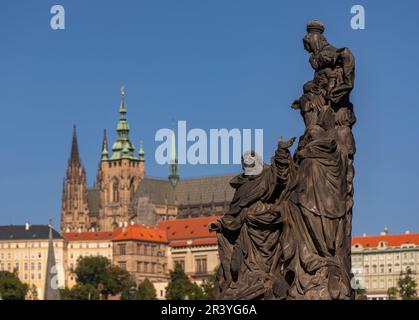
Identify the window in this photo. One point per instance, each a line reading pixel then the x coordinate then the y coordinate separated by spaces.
pixel 139 266
pixel 146 267
pixel 181 262
pixel 122 249
pixel 32 266
pixel 39 266
pixel 115 191
pixel 201 265
pixel 26 266
pixel 123 265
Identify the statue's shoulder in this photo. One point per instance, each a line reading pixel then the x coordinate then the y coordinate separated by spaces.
pixel 237 181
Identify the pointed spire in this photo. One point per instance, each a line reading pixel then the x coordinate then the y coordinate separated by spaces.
pixel 104 146
pixel 173 162
pixel 141 153
pixel 51 284
pixel 74 156
pixel 123 147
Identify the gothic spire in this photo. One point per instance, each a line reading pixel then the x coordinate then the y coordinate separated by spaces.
pixel 104 146
pixel 173 162
pixel 123 148
pixel 141 153
pixel 74 155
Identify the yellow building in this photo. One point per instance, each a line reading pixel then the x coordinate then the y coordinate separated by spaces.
pixel 85 244
pixel 192 246
pixel 24 249
pixel 378 262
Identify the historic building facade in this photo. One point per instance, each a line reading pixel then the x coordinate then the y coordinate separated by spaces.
pixel 123 194
pixel 85 244
pixel 142 251
pixel 24 250
pixel 378 262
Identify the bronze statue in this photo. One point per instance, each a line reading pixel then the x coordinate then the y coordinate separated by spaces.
pixel 288 232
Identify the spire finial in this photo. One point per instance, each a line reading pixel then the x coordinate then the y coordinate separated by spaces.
pixel 104 146
pixel 74 155
pixel 173 161
pixel 141 152
pixel 123 147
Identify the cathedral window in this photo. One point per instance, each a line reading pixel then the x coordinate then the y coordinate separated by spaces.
pixel 115 191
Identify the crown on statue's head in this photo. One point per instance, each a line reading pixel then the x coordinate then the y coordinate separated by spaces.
pixel 315 26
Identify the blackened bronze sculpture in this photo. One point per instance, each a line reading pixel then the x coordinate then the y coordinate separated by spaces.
pixel 288 232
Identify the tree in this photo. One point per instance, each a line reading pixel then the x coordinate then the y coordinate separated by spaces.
pixel 179 285
pixel 80 292
pixel 208 287
pixel 32 293
pixel 146 290
pixel 195 292
pixel 407 286
pixel 102 275
pixel 392 293
pixel 11 288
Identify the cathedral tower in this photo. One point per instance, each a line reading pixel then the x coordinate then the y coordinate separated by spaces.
pixel 74 208
pixel 119 176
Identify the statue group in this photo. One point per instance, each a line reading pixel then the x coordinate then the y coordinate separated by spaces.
pixel 287 234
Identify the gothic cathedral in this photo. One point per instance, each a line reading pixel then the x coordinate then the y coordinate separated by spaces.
pixel 110 203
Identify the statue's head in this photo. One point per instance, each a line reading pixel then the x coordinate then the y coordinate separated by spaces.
pixel 252 163
pixel 314 41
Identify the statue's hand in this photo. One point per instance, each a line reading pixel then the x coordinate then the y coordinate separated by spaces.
pixel 296 104
pixel 285 144
pixel 215 226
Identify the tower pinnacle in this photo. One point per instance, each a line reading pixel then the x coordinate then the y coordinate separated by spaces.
pixel 173 162
pixel 104 146
pixel 123 148
pixel 74 155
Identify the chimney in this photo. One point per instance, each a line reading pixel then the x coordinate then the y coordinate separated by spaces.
pixel 27 226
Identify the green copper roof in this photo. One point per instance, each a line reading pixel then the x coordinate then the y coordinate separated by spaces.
pixel 123 148
pixel 105 147
pixel 141 153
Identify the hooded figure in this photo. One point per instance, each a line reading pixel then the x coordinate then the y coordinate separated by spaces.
pixel 248 234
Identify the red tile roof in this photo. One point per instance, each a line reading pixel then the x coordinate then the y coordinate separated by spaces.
pixel 143 233
pixel 190 228
pixel 189 231
pixel 87 236
pixel 395 240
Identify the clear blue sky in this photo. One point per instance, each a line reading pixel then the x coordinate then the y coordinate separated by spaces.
pixel 216 64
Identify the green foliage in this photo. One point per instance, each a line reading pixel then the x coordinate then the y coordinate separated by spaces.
pixel 195 292
pixel 127 291
pixel 146 290
pixel 80 292
pixel 179 284
pixel 11 288
pixel 208 287
pixel 32 293
pixel 99 273
pixel 392 293
pixel 180 288
pixel 407 286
